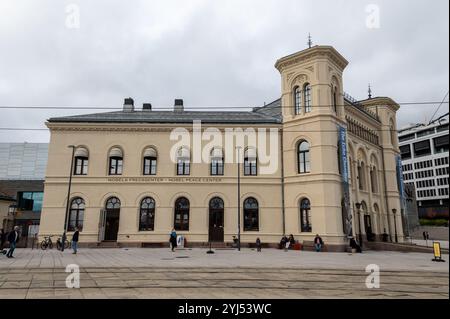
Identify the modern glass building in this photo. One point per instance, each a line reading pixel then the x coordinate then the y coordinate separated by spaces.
pixel 22 174
pixel 425 165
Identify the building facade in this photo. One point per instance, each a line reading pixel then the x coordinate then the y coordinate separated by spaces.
pixel 425 165
pixel 296 166
pixel 22 174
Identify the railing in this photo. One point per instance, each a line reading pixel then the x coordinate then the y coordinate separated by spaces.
pixel 359 106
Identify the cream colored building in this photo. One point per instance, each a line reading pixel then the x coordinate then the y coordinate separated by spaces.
pixel 127 188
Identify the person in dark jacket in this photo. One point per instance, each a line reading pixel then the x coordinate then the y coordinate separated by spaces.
pixel 258 244
pixel 318 243
pixel 173 239
pixel 13 238
pixel 354 245
pixel 75 238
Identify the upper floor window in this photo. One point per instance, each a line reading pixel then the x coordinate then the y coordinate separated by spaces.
pixel 303 157
pixel 250 162
pixel 335 99
pixel 81 161
pixel 216 161
pixel 307 93
pixel 183 161
pixel 297 100
pixel 441 144
pixel 361 176
pixel 149 161
pixel 422 148
pixel 374 180
pixel 115 161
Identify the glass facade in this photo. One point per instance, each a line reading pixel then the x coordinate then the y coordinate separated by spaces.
pixel 30 201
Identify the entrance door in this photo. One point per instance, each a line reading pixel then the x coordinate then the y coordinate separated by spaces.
pixel 216 220
pixel 368 227
pixel 112 219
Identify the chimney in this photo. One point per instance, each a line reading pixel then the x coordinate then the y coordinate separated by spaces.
pixel 128 105
pixel 178 107
pixel 146 107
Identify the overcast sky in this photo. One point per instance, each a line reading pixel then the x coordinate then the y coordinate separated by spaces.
pixel 219 53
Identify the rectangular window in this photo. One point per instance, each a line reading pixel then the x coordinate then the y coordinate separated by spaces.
pixel 149 166
pixel 250 167
pixel 115 165
pixel 406 137
pixel 422 148
pixel 81 166
pixel 216 167
pixel 441 144
pixel 30 201
pixel 183 167
pixel 405 150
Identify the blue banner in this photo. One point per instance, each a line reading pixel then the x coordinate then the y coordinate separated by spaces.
pixel 346 215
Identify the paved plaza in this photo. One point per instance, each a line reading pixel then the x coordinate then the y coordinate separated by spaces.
pixel 191 273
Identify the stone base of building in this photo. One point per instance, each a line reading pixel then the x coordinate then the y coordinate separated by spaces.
pixel 305 246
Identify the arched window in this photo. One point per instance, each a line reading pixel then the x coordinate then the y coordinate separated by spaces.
pixel 361 176
pixel 76 215
pixel 374 179
pixel 393 133
pixel 113 203
pixel 344 216
pixel 307 98
pixel 216 162
pixel 251 214
pixel 335 100
pixel 181 221
pixel 150 158
pixel 250 162
pixel 147 214
pixel 297 100
pixel 305 216
pixel 115 161
pixel 183 161
pixel 81 161
pixel 303 159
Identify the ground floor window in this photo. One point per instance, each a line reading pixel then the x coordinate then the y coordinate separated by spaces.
pixel 251 214
pixel 76 214
pixel 147 214
pixel 182 214
pixel 305 216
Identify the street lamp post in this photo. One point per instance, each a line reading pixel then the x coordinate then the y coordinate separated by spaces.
pixel 239 196
pixel 358 208
pixel 63 239
pixel 394 212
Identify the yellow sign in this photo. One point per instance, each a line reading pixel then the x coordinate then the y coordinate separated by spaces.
pixel 437 249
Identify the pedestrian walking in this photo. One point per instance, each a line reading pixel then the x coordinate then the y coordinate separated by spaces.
pixel 13 238
pixel 318 243
pixel 258 244
pixel 75 239
pixel 173 239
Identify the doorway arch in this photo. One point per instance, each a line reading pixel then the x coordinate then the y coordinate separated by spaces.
pixel 112 217
pixel 216 220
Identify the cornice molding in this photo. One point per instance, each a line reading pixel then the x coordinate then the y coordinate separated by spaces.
pixel 307 55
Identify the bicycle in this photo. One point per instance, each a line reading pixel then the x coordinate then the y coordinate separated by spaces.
pixel 59 244
pixel 47 242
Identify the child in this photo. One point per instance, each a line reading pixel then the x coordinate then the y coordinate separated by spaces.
pixel 258 244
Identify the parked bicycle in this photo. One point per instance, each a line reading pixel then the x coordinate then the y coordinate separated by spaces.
pixel 48 243
pixel 59 244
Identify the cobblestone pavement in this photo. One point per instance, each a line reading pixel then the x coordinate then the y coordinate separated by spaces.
pixel 158 273
pixel 182 283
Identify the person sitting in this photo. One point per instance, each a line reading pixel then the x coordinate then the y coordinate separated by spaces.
pixel 291 240
pixel 283 242
pixel 318 243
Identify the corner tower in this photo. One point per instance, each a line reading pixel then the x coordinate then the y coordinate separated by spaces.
pixel 312 108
